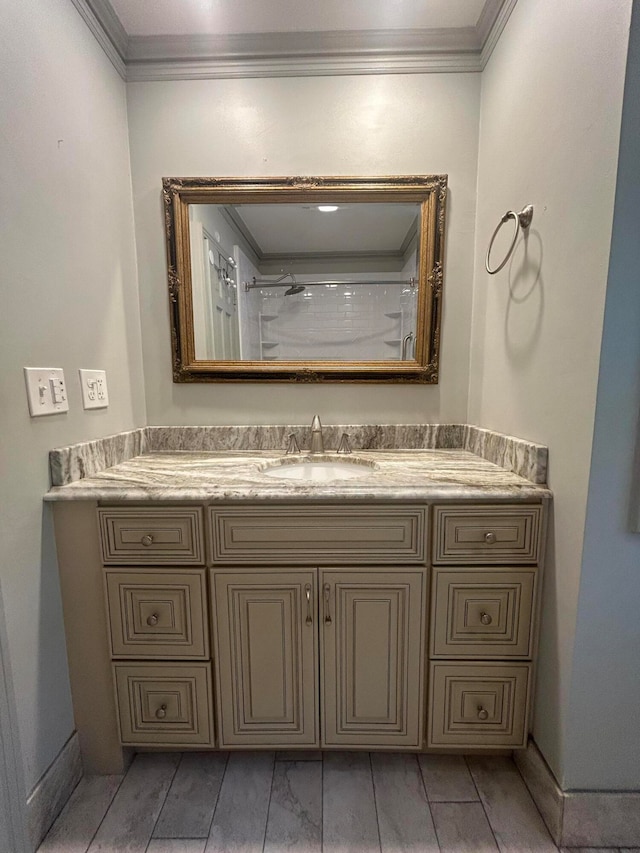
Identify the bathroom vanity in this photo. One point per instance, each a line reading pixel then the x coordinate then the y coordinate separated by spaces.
pixel 211 605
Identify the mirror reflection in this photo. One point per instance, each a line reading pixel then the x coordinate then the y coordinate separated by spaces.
pixel 304 281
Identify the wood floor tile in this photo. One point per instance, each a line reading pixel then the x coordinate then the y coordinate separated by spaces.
pixel 129 822
pixel 295 811
pixel 404 818
pixel 177 845
pixel 191 801
pixel 240 818
pixel 349 821
pixel 77 824
pixel 299 755
pixel 597 850
pixel 462 828
pixel 447 779
pixel 512 814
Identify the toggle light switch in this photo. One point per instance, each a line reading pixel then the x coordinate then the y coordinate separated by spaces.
pixel 46 391
pixel 94 389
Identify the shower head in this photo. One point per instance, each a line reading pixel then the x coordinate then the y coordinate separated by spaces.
pixel 295 288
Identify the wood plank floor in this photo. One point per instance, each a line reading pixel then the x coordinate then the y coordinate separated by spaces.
pixel 307 802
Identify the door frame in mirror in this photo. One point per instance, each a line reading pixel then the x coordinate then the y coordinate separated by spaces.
pixel 430 191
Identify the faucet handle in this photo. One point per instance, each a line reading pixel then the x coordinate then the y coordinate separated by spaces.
pixel 344 446
pixel 292 444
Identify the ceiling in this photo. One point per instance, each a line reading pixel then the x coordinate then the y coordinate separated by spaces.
pixel 207 39
pixel 302 229
pixel 189 17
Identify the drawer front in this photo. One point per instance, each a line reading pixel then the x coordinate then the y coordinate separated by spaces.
pixel 487 535
pixel 482 613
pixel 156 613
pixel 483 705
pixel 151 536
pixel 318 535
pixel 164 705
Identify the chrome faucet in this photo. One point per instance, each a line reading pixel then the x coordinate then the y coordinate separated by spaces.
pixel 317 441
pixel 292 444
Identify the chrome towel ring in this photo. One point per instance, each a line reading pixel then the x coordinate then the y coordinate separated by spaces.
pixel 522 220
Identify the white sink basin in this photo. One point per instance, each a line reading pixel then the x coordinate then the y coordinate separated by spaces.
pixel 319 470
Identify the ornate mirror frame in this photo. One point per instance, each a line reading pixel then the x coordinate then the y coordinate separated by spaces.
pixel 429 191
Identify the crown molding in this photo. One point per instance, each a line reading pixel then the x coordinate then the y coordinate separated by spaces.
pixel 302 54
pixel 491 32
pixel 299 54
pixel 327 44
pixel 105 25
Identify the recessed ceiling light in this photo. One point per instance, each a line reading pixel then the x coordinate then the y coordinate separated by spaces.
pixel 327 208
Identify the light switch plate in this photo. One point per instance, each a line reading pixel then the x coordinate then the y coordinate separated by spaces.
pixel 94 389
pixel 46 391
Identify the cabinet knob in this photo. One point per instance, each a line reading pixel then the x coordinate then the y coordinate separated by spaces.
pixel 152 620
pixel 483 714
pixel 490 537
pixel 161 713
pixel 147 540
pixel 486 619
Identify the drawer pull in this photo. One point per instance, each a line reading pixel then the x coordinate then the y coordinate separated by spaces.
pixel 147 540
pixel 161 713
pixel 486 619
pixel 307 592
pixel 490 537
pixel 327 606
pixel 483 714
pixel 152 620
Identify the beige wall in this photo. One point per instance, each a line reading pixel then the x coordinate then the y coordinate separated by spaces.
pixel 69 299
pixel 603 744
pixel 376 125
pixel 550 123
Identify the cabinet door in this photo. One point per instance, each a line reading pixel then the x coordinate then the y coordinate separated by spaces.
pixel 373 641
pixel 265 633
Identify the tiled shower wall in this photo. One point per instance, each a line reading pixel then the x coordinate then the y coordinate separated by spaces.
pixel 362 321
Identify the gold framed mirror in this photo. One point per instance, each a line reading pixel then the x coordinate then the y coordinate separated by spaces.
pixel 314 279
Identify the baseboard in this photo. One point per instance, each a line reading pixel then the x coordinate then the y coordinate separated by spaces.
pixel 543 787
pixel 50 795
pixel 580 818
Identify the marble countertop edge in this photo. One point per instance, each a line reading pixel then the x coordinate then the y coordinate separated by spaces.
pixel 218 476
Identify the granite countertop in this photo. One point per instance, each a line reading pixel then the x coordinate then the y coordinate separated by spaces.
pixel 411 474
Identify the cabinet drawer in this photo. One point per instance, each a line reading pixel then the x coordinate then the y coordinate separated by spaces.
pixel 314 535
pixel 478 704
pixel 482 613
pixel 151 535
pixel 488 535
pixel 164 705
pixel 158 613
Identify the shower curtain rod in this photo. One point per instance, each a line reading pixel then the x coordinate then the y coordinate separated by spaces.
pixel 261 282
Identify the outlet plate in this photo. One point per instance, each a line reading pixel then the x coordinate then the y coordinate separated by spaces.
pixel 94 389
pixel 46 391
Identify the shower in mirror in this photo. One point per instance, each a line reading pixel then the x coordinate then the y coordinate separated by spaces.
pixel 305 285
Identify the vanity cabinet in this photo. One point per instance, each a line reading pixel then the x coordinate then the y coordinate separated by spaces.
pixel 158 623
pixel 329 656
pixel 355 663
pixel 298 625
pixel 484 592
